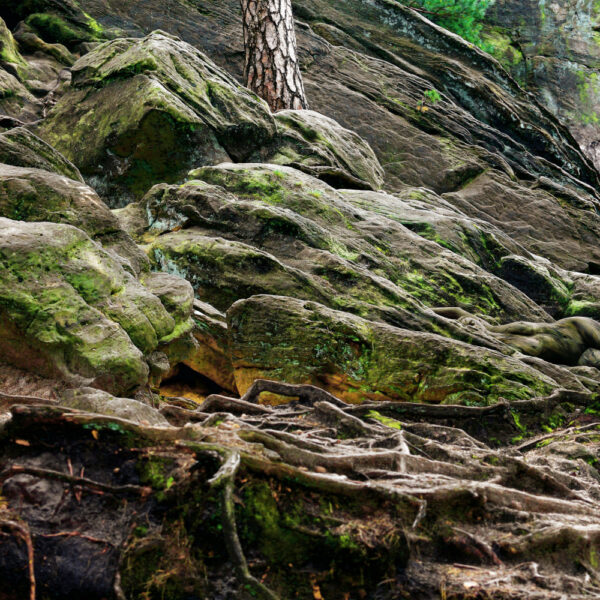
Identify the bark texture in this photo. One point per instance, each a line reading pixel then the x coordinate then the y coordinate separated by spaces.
pixel 272 70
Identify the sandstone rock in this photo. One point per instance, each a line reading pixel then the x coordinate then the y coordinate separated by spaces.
pixel 15 99
pixel 285 339
pixel 358 252
pixel 97 401
pixel 52 280
pixel 319 146
pixel 70 310
pixel 34 195
pixel 21 148
pixel 560 59
pixel 211 358
pixel 546 220
pixel 175 293
pixel 30 42
pixel 9 53
pixel 145 111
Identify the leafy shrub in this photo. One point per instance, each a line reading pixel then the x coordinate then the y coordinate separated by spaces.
pixel 464 17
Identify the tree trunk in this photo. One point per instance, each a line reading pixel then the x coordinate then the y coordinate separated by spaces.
pixel 272 70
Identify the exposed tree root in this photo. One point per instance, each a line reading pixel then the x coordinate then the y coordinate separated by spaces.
pixel 71 479
pixel 454 494
pixel 21 531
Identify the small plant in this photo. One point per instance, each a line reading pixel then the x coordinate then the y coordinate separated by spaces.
pixel 430 97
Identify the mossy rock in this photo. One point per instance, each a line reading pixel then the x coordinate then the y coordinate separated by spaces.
pixel 54 29
pixel 223 271
pixel 55 21
pixel 211 357
pixel 30 43
pixel 9 52
pixel 15 99
pixel 302 342
pixel 36 195
pixel 367 252
pixel 70 310
pixel 145 111
pixel 21 148
pixel 321 147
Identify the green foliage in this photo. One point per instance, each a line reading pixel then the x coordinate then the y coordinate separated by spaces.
pixel 464 17
pixel 432 96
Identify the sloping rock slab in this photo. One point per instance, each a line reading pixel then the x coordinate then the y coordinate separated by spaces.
pixel 285 339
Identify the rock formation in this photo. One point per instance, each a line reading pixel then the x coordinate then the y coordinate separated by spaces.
pixel 351 352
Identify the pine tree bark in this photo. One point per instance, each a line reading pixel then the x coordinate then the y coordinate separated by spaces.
pixel 272 70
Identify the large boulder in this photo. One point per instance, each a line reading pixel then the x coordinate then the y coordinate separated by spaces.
pixel 35 195
pixel 290 340
pixel 295 235
pixel 21 148
pixel 69 310
pixel 321 147
pixel 145 111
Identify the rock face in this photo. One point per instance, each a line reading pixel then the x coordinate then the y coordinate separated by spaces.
pixel 38 195
pixel 21 148
pixel 552 48
pixel 424 246
pixel 145 111
pixel 321 147
pixel 14 96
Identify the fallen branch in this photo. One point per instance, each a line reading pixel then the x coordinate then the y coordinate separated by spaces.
pixel 13 470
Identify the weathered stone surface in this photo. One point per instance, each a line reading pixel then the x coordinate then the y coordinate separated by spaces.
pixel 31 43
pixel 15 99
pixel 212 357
pixel 559 59
pixel 555 223
pixel 36 195
pixel 9 53
pixel 345 249
pixel 53 283
pixel 484 127
pixel 319 146
pixel 302 342
pixel 176 294
pixel 70 310
pixel 379 98
pixel 21 148
pixel 145 111
pixel 98 401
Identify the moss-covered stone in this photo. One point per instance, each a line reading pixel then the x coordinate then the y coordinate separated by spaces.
pixel 222 271
pixel 320 146
pixel 70 310
pixel 9 53
pixel 302 342
pixel 21 148
pixel 35 195
pixel 57 30
pixel 145 111
pixel 52 279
